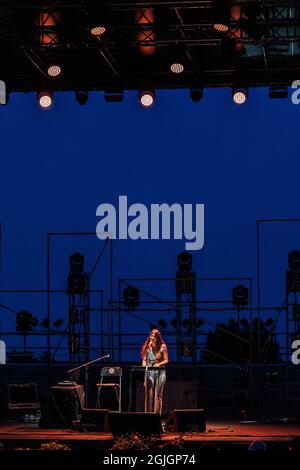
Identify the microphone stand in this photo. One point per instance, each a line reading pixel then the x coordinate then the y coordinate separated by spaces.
pixel 86 365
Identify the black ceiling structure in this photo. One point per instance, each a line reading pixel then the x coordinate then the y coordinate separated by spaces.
pixel 261 45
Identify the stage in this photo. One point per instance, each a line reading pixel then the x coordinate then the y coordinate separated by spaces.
pixel 223 434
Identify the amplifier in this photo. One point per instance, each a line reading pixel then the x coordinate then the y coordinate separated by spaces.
pixel 22 396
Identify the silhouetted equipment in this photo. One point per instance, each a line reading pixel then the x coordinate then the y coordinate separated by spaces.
pixel 76 263
pixel 82 97
pixel 113 96
pixel 272 378
pixel 184 261
pixel 139 422
pixel 278 92
pixel 221 15
pixel 293 273
pixel 135 42
pixel 94 419
pixel 63 407
pixel 110 378
pixel 162 323
pixel 196 94
pixel 240 296
pixel 79 309
pixel 185 307
pixel 131 297
pixel 250 21
pixel 190 420
pixel 187 349
pixel 294 260
pixel 58 322
pixel 22 396
pixel 296 312
pixel 25 322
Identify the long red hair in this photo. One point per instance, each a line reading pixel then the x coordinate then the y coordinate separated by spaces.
pixel 159 343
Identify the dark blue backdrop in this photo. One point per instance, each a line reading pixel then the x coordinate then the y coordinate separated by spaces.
pixel 58 166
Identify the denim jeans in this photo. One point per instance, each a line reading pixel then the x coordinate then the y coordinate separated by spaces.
pixel 154 386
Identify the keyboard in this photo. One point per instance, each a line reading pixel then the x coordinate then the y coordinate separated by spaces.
pixel 142 368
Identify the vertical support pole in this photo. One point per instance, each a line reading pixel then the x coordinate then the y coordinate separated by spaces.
pixel 258 288
pixel 119 321
pixel 111 320
pixel 287 339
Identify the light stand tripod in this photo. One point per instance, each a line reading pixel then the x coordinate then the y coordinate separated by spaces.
pixel 86 366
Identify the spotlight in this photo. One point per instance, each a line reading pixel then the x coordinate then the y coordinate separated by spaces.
pixel 221 20
pixel 240 295
pixel 76 263
pixel 131 297
pixel 82 97
pixel 45 99
pixel 294 260
pixel 162 323
pixel 239 95
pixel 25 321
pixel 147 98
pixel 196 94
pixel 54 70
pixel 277 92
pixel 184 261
pixel 177 65
pixel 98 30
pixel 58 322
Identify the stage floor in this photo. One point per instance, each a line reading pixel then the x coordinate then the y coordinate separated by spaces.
pixel 14 434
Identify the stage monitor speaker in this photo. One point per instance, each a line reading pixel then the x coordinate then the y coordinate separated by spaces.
pixel 187 420
pixel 62 408
pixel 94 419
pixel 127 422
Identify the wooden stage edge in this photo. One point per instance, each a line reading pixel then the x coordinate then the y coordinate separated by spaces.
pixel 14 435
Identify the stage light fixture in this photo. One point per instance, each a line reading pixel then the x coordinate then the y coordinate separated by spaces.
pixel 221 13
pixel 113 96
pixel 54 70
pixel 162 323
pixel 196 94
pixel 239 95
pixel 240 296
pixel 147 98
pixel 277 92
pixel 45 99
pixel 184 261
pixel 82 97
pixel 76 261
pixel 58 322
pixel 98 30
pixel 131 297
pixel 294 260
pixel 177 65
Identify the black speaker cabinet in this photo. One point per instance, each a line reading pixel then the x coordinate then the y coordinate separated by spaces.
pixel 94 420
pixel 127 422
pixel 22 394
pixel 186 420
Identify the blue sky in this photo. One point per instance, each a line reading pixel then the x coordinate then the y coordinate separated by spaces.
pixel 58 166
